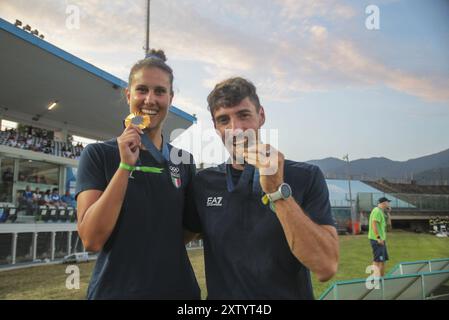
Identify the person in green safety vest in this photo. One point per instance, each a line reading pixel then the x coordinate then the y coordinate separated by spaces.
pixel 378 235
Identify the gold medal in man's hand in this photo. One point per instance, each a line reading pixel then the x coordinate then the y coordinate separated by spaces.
pixel 138 119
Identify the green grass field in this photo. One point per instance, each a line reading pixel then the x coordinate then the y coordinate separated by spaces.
pixel 48 282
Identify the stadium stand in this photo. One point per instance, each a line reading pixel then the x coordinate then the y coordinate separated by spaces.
pixel 39 142
pixel 408 188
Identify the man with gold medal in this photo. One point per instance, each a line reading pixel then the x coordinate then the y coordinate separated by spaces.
pixel 266 221
pixel 131 199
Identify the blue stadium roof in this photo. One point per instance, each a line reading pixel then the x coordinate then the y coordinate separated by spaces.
pixel 25 54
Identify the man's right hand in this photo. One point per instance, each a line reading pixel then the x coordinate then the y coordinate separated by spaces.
pixel 129 145
pixel 381 242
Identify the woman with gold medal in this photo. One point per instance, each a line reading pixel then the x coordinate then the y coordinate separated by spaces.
pixel 131 196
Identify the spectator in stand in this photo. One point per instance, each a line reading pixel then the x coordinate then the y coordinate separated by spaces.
pixel 8 176
pixel 28 194
pixel 30 140
pixel 37 147
pixel 47 196
pixel 12 143
pixel 37 195
pixel 41 200
pixel 68 200
pixel 27 200
pixel 55 199
pixel 20 143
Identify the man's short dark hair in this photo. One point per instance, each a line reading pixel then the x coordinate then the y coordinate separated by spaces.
pixel 231 92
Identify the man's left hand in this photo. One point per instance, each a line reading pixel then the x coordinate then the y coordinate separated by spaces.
pixel 270 163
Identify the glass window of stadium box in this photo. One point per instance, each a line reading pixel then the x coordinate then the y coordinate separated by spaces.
pixel 38 173
pixel 7 179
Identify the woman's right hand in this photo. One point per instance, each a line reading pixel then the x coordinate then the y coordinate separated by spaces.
pixel 129 145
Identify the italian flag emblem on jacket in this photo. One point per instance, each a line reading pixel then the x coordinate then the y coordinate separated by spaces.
pixel 175 176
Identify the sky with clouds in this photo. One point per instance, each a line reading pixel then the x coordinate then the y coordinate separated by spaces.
pixel 329 84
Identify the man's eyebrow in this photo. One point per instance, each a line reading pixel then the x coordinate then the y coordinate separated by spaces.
pixel 244 110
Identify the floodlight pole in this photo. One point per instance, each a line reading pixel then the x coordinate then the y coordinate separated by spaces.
pixel 147 35
pixel 346 157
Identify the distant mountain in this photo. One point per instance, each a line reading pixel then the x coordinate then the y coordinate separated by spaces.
pixel 433 176
pixel 327 164
pixel 425 168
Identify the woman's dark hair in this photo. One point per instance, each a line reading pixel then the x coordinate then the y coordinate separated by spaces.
pixel 154 59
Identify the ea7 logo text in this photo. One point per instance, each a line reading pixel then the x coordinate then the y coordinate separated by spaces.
pixel 214 202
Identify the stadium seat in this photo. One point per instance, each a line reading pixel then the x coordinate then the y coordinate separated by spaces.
pixel 43 213
pixel 12 212
pixel 53 213
pixel 62 214
pixel 71 214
